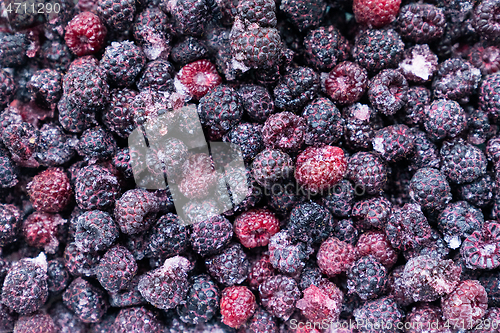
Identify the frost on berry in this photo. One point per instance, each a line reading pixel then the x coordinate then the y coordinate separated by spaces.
pixel 197 78
pixel 321 303
pixel 481 249
pixel 254 227
pixel 43 230
pixel 85 34
pixel 237 305
pixel 419 64
pixel 467 303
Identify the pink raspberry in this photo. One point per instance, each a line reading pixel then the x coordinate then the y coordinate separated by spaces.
pixel 237 305
pixel 255 227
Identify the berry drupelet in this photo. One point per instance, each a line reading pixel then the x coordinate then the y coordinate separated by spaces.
pixel 85 34
pixel 50 190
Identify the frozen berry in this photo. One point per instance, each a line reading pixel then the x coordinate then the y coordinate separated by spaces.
pixel 272 167
pixel 96 188
pixel 360 123
pixel 310 222
pixel 367 170
pixel 202 301
pixel 394 142
pixel 284 131
pixel 371 213
pixel 198 78
pixel 421 23
pixel 286 255
pixel 388 91
pixel 346 83
pixel 466 304
pixel 278 295
pixel 13 52
pixel 480 249
pixel 254 227
pixel 335 256
pixel 303 14
pixel 367 277
pixel 485 57
pixel 135 211
pixel 458 221
pixel 87 301
pixel 296 88
pixel 324 123
pixel 43 230
pixel 325 47
pixel 95 231
pixel 137 319
pixel 10 223
pixel 259 272
pixel 444 119
pixel 378 49
pixel 209 236
pixel 122 62
pixel 489 98
pixel 116 269
pixel 35 323
pixel 230 267
pixel 50 190
pixel 462 162
pixel 257 102
pixel 85 34
pixel 58 276
pixel 407 228
pixel 375 243
pixel 455 79
pixel 430 189
pixel 321 303
pixel 379 316
pixel 45 87
pixel 168 237
pixel 117 15
pixel 237 305
pixel 485 19
pixel 419 64
pixel 375 13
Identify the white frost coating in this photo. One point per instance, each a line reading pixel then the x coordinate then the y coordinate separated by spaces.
pixel 239 65
pixel 362 112
pixel 418 66
pixel 179 87
pixel 453 241
pixel 488 249
pixel 378 145
pixel 173 263
pixel 41 261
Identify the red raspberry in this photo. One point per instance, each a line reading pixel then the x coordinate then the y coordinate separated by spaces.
pixel 319 168
pixel 237 305
pixel 42 230
pixel 321 303
pixel 255 227
pixel 375 13
pixel 466 304
pixel 284 131
pixel 377 244
pixel 335 256
pixel 50 190
pixel 85 34
pixel 346 83
pixel 199 77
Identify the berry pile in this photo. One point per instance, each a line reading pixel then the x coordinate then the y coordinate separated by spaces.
pixel 250 166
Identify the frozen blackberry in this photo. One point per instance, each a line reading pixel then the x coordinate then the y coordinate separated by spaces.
pixel 202 301
pixel 485 57
pixel 257 102
pixel 262 12
pixel 127 296
pixel 367 170
pixel 425 153
pixel 66 321
pixel 311 275
pixel 424 317
pixel 388 91
pixel 262 322
pixel 288 256
pixel 45 87
pixel 237 305
pixel 372 213
pixel 87 301
pixel 168 237
pixel 310 223
pixel 230 267
pixel 419 64
pixel 72 118
pixel 85 34
pixel 248 137
pixel 58 276
pixel 407 228
pixel 430 189
pixel 166 158
pixel 116 269
pixel 7 88
pixel 444 119
pixel 188 50
pixel 480 250
pixel 55 55
pixel 479 126
pixel 198 176
pixel 325 47
pixel 322 303
pixel 7 318
pixel 220 110
pixel 122 62
pixel 346 232
pixel 339 199
pixel 324 123
pixel 478 193
pixel 346 83
pixel 135 211
pixel 8 172
pixel 43 230
pixel 378 49
pixel 455 79
pixel 157 75
pixel 25 287
pixel 296 88
pixel 485 19
pixel 118 116
pixel 489 98
pixel 22 141
pixel 284 131
pixel 189 17
pixel 34 323
pixel 376 243
pixel 360 124
pixel 421 23
pixel 54 147
pixel 379 316
pixel 196 211
pixel 96 188
pixel 80 263
pixel 167 286
pixel 95 231
pixel 272 167
pixel 137 319
pixel 278 295
pixel 123 162
pixel 458 221
pixel 283 198
pixel 375 13
pixel 467 303
pixel 259 272
pixel 13 52
pixel 117 15
pixel 10 223
pixel 367 277
pixel 335 256
pixel 462 162
pixel 393 142
pixel 50 190
pixel 151 31
pixel 303 14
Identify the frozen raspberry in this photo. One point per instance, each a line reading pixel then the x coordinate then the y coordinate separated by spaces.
pixel 284 131
pixel 95 231
pixel 419 64
pixel 425 317
pixel 375 243
pixel 117 15
pixel 34 323
pixel 22 142
pixel 378 49
pixel 478 193
pixel 407 228
pixel 65 320
pixel 375 13
pixel 72 118
pixel 379 316
pixel 13 52
pixel 259 272
pixel 188 17
pixel 485 57
pixel 116 269
pixel 80 263
pixel 367 170
pixel 10 222
pixel 202 301
pixel 462 162
pixel 258 11
pixel 262 322
pixel 339 199
pixel 303 14
pixel 122 62
pixel 50 190
pixel 58 276
pixel 8 172
pixel 248 137
pixel 43 230
pixel 489 98
pixel 320 168
pixel 157 75
pixel 466 304
pixel 388 91
pixel 325 47
pixel 335 256
pixel 230 267
pixel 360 123
pixel 458 221
pixel 480 249
pixel 137 319
pixel 55 55
pixel 254 227
pixel 168 237
pixel 199 176
pixel 167 286
pixel 85 34
pixel 430 189
pixel 278 295
pixel 421 23
pixel 257 102
pixel 96 144
pixel 444 119
pixel 485 19
pixel 198 78
pixel 87 301
pixel 346 83
pixel 272 167
pixel 455 79
pixel 237 305
pixel 288 256
pixel 310 222
pixel 367 277
pixel 135 211
pixel 96 188
pixel 167 157
pixel 393 142
pixel 321 303
pixel 310 275
pixel 45 87
pixel 296 88
pixel 188 50
pixel 346 232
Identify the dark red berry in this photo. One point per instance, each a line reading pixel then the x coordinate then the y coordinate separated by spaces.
pixel 388 91
pixel 116 269
pixel 85 34
pixel 421 23
pixel 96 188
pixel 278 295
pixel 43 230
pixel 346 83
pixel 230 267
pixel 466 304
pixel 321 303
pixel 198 78
pixel 135 211
pixel 95 231
pixel 254 227
pixel 50 190
pixel 137 319
pixel 335 256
